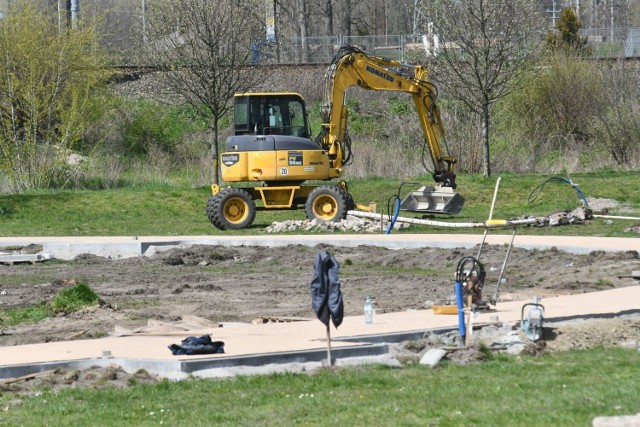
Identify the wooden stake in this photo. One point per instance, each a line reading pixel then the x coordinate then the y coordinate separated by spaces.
pixel 329 362
pixel 469 314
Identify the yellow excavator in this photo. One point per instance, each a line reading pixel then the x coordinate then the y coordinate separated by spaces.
pixel 273 153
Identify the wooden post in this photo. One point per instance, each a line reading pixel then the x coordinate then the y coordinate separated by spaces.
pixel 329 362
pixel 469 314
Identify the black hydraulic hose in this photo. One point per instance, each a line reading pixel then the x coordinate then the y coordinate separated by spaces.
pixel 344 51
pixel 396 211
pixel 348 157
pixel 476 267
pixel 396 198
pixel 424 164
pixel 460 269
pixel 536 191
pixel 396 201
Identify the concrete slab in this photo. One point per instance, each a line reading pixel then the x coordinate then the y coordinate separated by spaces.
pixel 296 342
pixel 10 259
pixel 433 356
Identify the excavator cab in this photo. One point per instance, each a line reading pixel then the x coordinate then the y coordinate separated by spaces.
pixel 270 114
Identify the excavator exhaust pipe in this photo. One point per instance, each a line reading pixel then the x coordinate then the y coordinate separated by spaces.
pixel 433 200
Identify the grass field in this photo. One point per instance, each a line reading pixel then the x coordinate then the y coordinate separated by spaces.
pixel 179 209
pixel 566 389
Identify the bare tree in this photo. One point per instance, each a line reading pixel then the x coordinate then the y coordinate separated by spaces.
pixel 328 16
pixel 485 44
pixel 303 29
pixel 207 44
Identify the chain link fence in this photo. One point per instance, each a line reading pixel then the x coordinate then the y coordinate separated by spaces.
pixel 605 43
pixel 613 42
pixel 320 50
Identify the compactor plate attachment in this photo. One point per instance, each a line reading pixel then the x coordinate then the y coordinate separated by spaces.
pixel 532 323
pixel 433 200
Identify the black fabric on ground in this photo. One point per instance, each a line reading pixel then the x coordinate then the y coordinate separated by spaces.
pixel 197 345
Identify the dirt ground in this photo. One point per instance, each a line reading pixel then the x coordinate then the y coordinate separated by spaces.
pixel 242 284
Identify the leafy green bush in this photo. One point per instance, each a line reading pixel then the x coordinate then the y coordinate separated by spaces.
pixel 550 115
pixel 401 106
pixel 150 125
pixel 74 298
pixel 46 93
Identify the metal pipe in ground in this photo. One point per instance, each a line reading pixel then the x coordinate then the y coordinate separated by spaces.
pixel 493 204
pixel 496 223
pixel 632 218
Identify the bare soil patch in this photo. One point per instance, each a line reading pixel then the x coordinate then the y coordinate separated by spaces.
pixel 240 284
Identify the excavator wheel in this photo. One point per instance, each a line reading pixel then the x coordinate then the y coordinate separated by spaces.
pixel 351 205
pixel 231 209
pixel 328 203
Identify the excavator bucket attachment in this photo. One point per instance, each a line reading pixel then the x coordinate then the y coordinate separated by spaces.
pixel 431 200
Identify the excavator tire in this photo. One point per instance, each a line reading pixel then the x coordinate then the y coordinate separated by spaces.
pixel 231 209
pixel 327 202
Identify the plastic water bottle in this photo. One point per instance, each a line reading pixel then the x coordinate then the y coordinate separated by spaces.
pixel 368 311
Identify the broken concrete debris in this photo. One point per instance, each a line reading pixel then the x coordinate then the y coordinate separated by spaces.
pixel 362 225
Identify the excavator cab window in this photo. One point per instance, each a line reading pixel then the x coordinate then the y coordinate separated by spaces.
pixel 240 115
pixel 270 114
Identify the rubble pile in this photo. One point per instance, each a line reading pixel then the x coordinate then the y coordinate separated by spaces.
pixel 349 224
pixel 363 225
pixel 577 216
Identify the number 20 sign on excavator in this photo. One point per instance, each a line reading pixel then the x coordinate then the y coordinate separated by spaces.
pixel 272 152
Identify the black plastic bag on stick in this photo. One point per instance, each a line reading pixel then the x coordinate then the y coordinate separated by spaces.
pixel 326 298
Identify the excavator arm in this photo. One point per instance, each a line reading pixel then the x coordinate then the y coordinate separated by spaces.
pixel 352 67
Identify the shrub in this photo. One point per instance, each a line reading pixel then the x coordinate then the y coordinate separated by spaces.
pixel 74 298
pixel 150 126
pixel 552 114
pixel 47 81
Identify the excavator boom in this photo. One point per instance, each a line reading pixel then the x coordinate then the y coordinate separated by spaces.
pixel 352 67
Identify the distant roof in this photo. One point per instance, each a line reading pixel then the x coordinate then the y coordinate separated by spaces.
pixel 632 43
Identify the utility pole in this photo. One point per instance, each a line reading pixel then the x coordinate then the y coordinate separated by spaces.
pixel 554 13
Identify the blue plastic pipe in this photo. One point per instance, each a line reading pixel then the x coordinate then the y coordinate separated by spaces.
pixel 395 216
pixel 461 326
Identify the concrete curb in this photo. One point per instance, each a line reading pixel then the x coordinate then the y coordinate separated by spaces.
pixel 164 367
pixel 131 246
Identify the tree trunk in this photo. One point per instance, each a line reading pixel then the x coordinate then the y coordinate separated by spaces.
pixel 60 17
pixel 214 149
pixel 328 16
pixel 486 164
pixel 347 18
pixel 302 25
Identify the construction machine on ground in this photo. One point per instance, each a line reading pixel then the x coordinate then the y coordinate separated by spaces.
pixel 272 152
